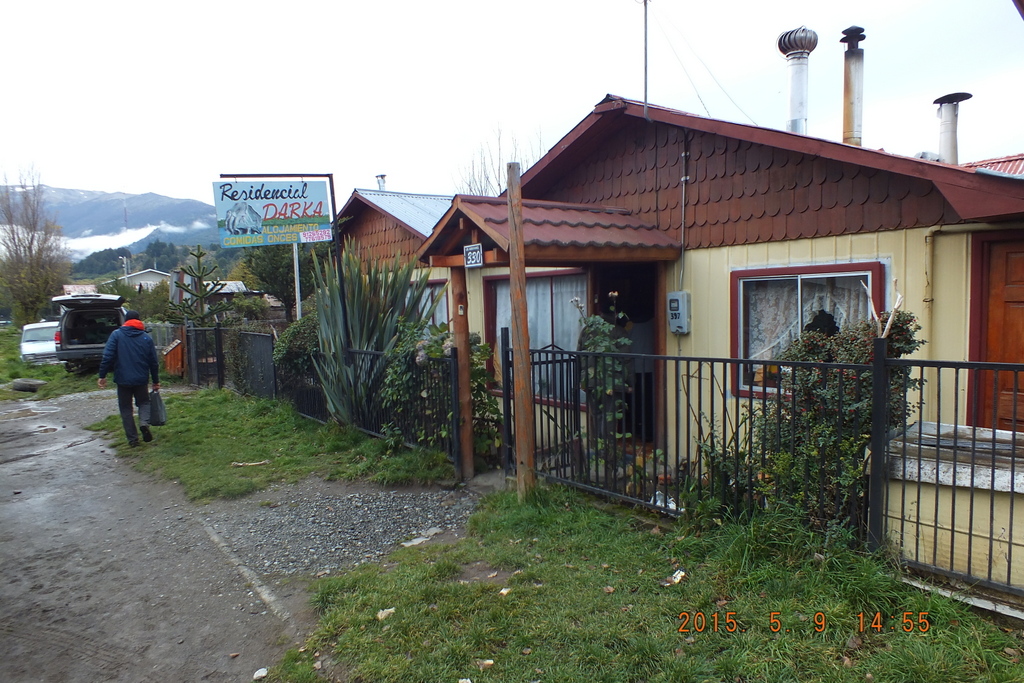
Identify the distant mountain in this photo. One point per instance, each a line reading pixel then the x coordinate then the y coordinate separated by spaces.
pixel 100 220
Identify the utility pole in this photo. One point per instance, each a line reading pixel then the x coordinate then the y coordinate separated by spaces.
pixel 522 392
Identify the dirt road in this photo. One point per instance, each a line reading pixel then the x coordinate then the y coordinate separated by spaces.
pixel 107 574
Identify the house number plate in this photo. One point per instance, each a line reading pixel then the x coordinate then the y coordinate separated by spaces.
pixel 473 254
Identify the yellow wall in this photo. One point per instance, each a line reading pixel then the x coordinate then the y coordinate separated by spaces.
pixel 903 252
pixel 952 538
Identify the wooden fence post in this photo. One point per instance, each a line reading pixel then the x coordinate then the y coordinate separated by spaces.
pixel 526 478
pixel 460 335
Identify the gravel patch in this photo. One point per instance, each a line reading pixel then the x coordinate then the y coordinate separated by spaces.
pixel 318 527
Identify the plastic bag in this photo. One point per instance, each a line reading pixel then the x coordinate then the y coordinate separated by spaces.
pixel 157 411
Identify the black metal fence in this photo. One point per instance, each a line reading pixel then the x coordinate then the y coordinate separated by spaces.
pixel 419 405
pixel 952 482
pixel 304 391
pixel 707 436
pixel 423 412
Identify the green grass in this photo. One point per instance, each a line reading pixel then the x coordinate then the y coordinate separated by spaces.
pixel 208 430
pixel 586 603
pixel 58 380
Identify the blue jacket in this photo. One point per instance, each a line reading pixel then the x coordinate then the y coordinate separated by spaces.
pixel 131 354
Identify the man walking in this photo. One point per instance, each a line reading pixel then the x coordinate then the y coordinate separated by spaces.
pixel 131 354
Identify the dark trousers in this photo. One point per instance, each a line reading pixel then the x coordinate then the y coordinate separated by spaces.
pixel 125 396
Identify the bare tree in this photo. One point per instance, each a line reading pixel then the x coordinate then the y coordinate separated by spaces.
pixel 486 172
pixel 34 261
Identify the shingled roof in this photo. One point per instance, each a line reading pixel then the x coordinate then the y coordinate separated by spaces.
pixel 748 184
pixel 552 231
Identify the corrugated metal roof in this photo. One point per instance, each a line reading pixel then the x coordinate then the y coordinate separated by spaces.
pixel 1013 165
pixel 233 287
pixel 421 212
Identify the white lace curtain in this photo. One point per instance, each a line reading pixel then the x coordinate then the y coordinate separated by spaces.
pixel 776 310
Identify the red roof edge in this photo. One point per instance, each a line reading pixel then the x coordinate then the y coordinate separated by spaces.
pixel 971 196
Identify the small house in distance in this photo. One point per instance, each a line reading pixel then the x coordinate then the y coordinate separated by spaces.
pixel 147 279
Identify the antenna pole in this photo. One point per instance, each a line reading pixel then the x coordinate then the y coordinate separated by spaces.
pixel 646 117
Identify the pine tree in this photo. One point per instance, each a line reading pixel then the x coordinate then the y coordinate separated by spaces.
pixel 194 307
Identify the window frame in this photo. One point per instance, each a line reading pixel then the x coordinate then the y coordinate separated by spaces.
pixel 491 334
pixel 875 270
pixel 431 284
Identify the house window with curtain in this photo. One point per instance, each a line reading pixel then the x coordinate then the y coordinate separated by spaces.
pixel 554 321
pixel 440 315
pixel 771 307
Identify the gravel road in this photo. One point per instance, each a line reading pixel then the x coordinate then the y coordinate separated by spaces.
pixel 109 574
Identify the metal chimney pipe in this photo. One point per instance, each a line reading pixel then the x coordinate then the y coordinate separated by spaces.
pixel 853 86
pixel 949 106
pixel 380 181
pixel 797 46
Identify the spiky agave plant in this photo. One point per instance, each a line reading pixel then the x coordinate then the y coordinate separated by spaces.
pixel 379 298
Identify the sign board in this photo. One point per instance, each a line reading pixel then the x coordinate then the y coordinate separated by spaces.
pixel 256 214
pixel 473 255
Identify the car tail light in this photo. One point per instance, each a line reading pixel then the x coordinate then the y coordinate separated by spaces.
pixel 56 337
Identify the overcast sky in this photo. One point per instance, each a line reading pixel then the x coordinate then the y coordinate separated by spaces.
pixel 163 97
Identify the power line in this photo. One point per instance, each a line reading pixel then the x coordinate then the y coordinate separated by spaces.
pixel 706 68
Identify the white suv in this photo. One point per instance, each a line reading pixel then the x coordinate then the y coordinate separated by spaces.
pixel 37 345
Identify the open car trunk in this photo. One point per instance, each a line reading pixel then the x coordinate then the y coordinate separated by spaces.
pixel 85 325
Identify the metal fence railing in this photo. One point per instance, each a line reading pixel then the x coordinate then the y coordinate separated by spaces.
pixel 420 406
pixel 927 457
pixel 163 334
pixel 204 352
pixel 419 403
pixel 304 391
pixel 954 473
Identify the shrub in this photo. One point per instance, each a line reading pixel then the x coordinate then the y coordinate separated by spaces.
pixel 378 299
pixel 295 348
pixel 412 383
pixel 806 443
pixel 252 307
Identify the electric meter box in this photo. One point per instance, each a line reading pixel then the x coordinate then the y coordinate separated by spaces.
pixel 679 312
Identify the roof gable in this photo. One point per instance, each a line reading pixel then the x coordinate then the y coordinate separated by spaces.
pixel 553 232
pixel 417 213
pixel 961 194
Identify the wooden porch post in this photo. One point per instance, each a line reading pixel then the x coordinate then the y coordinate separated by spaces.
pixel 460 335
pixel 526 478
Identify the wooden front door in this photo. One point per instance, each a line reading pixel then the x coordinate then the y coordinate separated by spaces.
pixel 1003 403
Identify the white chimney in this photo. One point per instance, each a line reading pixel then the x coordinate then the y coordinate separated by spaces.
pixel 797 46
pixel 380 182
pixel 853 86
pixel 949 107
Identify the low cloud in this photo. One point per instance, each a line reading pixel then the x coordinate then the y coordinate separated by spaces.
pixel 81 247
pixel 88 243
